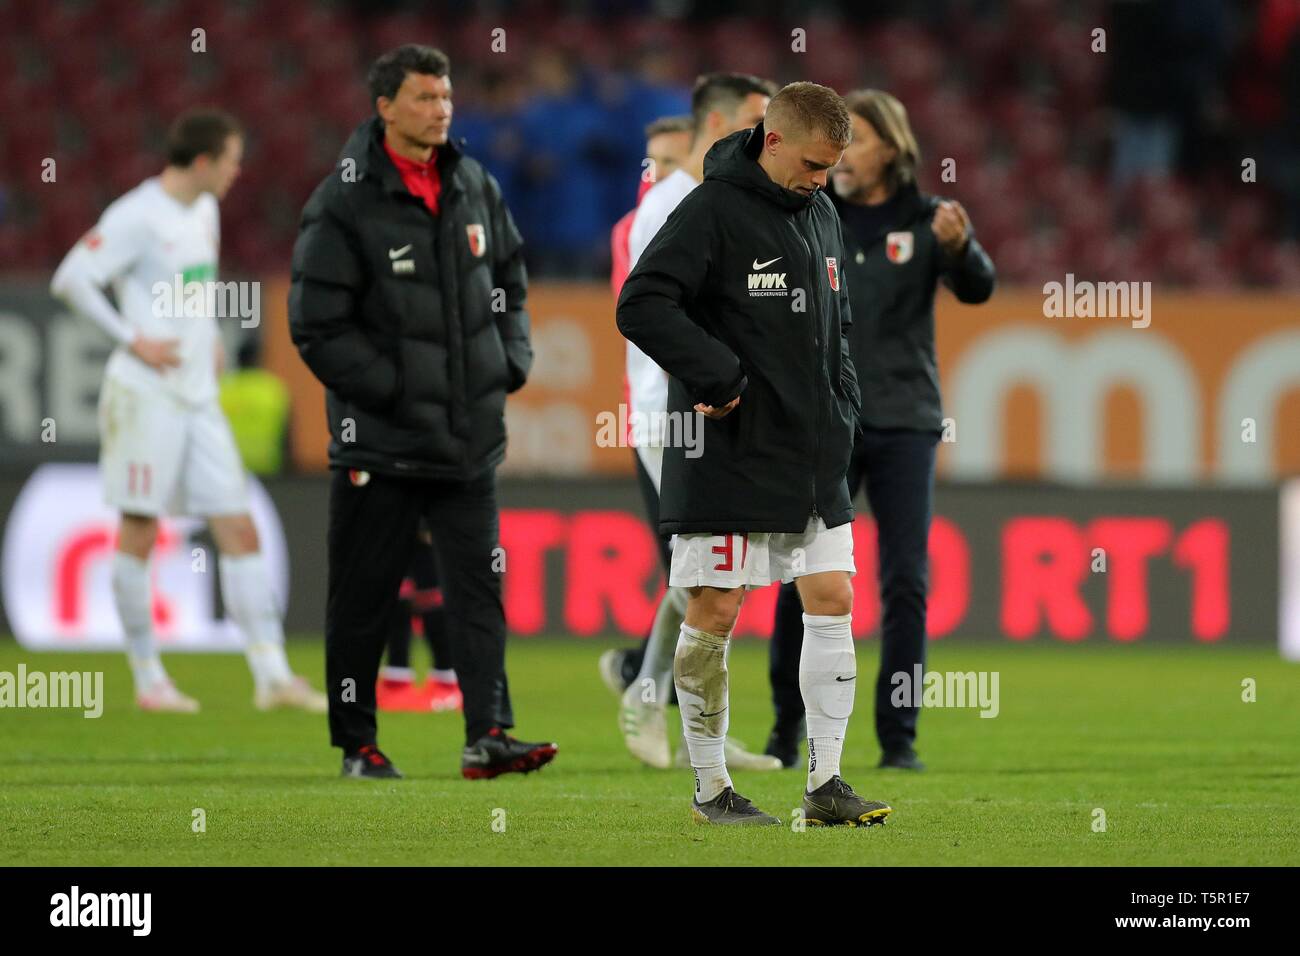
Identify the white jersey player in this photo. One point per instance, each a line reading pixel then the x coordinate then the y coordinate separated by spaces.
pixel 165 446
pixel 721 104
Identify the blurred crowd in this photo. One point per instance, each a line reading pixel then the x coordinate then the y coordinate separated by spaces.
pixel 1165 148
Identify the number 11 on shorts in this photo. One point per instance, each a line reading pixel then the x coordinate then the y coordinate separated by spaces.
pixel 137 479
pixel 727 551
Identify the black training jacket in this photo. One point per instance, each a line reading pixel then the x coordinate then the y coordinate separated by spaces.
pixel 415 323
pixel 892 276
pixel 742 293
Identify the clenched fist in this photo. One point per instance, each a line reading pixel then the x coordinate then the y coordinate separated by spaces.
pixel 951 226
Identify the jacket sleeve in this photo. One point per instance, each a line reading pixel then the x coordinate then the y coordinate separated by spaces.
pixel 326 284
pixel 970 274
pixel 849 372
pixel 510 275
pixel 652 308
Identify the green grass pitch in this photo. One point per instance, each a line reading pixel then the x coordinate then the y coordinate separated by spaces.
pixel 1159 739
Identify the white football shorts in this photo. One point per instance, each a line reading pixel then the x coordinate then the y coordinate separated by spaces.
pixel 756 560
pixel 160 456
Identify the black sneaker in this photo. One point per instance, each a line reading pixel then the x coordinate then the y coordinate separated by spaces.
pixel 900 760
pixel 834 803
pixel 496 753
pixel 783 744
pixel 370 762
pixel 731 809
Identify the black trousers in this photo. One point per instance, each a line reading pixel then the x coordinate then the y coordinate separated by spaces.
pixel 372 533
pixel 897 465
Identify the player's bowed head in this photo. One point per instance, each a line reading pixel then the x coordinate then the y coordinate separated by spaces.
pixel 806 130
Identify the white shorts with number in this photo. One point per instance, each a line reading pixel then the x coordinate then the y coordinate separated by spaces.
pixel 756 560
pixel 159 456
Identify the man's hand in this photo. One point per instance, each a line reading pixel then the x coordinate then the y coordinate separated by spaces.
pixel 715 413
pixel 218 358
pixel 158 354
pixel 951 226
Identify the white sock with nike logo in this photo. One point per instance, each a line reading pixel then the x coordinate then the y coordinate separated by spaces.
pixel 700 674
pixel 828 673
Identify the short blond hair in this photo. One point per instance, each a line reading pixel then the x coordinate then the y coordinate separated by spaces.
pixel 888 117
pixel 811 108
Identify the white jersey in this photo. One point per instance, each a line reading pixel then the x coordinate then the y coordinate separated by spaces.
pixel 647 382
pixel 147 247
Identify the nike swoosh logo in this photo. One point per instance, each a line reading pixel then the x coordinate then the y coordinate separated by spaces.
pixel 763 265
pixel 714 714
pixel 394 253
pixel 845 680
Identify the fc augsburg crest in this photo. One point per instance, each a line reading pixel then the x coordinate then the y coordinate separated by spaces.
pixel 477 239
pixel 898 247
pixel 833 271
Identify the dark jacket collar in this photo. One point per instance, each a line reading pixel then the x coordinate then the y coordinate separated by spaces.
pixel 911 203
pixel 365 147
pixel 734 159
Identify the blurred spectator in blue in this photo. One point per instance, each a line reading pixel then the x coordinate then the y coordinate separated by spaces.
pixel 488 117
pixel 632 100
pixel 566 156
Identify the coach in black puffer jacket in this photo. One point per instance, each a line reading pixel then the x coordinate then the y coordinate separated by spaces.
pixel 415 324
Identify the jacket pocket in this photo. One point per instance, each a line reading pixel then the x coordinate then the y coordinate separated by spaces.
pixel 500 361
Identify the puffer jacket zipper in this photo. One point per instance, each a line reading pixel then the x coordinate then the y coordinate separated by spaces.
pixel 812 311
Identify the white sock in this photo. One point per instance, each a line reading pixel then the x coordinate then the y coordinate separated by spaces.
pixel 661 645
pixel 700 673
pixel 249 601
pixel 132 596
pixel 447 676
pixel 823 759
pixel 827 672
pixel 404 674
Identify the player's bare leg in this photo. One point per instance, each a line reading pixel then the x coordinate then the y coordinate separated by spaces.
pixel 828 674
pixel 133 597
pixel 246 592
pixel 700 674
